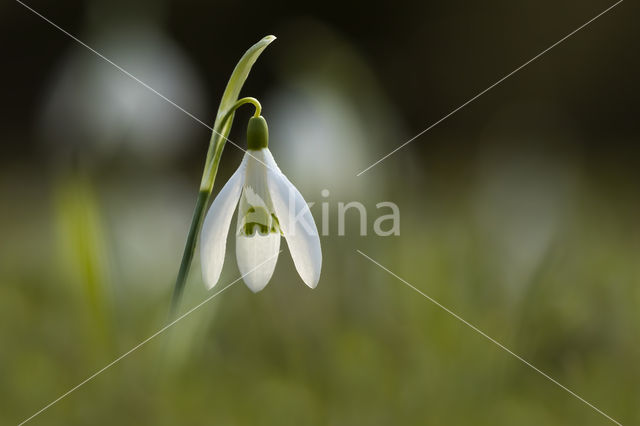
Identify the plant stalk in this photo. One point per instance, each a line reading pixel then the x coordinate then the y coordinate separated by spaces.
pixel 216 146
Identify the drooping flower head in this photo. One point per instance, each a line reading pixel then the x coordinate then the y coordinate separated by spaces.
pixel 269 206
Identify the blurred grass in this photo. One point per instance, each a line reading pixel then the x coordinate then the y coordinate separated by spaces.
pixel 360 349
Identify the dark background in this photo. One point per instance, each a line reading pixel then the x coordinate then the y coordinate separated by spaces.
pixel 429 57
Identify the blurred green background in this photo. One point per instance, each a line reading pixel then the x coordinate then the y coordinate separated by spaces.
pixel 520 213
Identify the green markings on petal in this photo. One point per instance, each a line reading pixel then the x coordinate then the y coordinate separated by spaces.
pixel 250 228
pixel 258 219
pixel 275 227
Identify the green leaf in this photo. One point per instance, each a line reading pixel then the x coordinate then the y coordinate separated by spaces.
pixel 232 91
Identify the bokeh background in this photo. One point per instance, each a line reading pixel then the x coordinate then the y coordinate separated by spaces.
pixel 520 213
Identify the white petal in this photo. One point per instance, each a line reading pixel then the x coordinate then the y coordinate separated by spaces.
pixel 296 223
pixel 257 256
pixel 216 226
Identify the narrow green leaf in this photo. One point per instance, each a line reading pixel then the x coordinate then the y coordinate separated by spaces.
pixel 232 91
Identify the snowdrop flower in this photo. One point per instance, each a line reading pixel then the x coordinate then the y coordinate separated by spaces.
pixel 269 206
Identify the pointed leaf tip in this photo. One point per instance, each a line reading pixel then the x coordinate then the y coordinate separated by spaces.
pixel 234 85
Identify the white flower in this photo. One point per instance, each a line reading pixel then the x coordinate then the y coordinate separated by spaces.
pixel 268 206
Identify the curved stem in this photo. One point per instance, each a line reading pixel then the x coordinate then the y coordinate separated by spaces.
pixel 206 187
pixel 214 153
pixel 247 100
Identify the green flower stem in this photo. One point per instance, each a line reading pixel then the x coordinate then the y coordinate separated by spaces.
pixel 215 149
pixel 216 146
